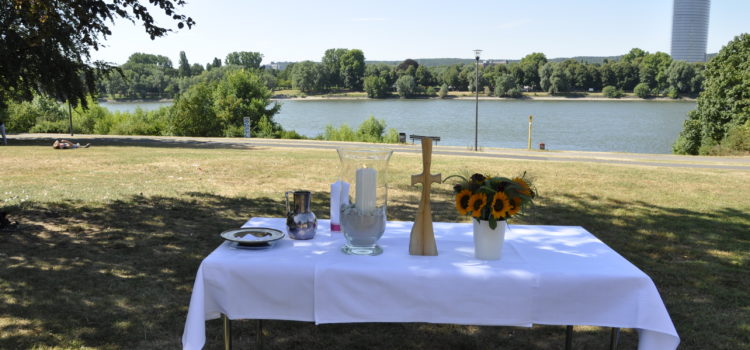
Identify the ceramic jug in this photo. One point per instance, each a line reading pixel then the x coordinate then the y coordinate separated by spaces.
pixel 300 220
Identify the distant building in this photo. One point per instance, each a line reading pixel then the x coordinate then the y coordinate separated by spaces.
pixel 690 30
pixel 486 63
pixel 272 65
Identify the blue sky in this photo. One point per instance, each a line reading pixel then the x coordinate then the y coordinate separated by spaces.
pixel 288 30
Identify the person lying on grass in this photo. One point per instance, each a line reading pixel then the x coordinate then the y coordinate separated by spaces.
pixel 65 144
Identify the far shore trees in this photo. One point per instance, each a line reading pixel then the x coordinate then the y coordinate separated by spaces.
pixel 247 59
pixel 376 87
pixel 344 70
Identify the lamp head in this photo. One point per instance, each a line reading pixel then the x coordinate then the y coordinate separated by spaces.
pixel 476 53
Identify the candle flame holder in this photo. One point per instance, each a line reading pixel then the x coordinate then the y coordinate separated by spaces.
pixel 363 220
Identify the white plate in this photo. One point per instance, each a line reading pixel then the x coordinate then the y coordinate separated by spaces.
pixel 252 236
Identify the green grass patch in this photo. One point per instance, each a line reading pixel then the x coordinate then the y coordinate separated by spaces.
pixel 110 237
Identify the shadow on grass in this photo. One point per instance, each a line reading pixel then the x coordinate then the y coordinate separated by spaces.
pixel 119 275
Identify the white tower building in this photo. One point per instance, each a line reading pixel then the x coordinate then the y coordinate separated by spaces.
pixel 690 30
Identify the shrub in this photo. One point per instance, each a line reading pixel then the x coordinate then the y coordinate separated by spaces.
pixel 514 92
pixel 371 130
pixel 267 129
pixel 612 92
pixel 406 86
pixel 690 138
pixel 505 86
pixel 84 121
pixel 140 122
pixel 23 116
pixel 738 138
pixel 343 133
pixel 234 131
pixel 51 126
pixel 430 91
pixel 193 113
pixel 443 91
pixel 641 90
pixel 291 134
pixel 391 136
pixel 673 92
pixel 376 87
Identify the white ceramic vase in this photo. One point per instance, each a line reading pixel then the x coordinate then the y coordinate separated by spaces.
pixel 488 243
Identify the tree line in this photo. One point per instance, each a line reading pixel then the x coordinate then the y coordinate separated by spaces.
pixel 146 76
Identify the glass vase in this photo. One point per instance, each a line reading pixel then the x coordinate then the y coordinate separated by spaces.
pixel 363 216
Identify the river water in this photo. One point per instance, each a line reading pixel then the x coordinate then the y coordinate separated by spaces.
pixel 613 126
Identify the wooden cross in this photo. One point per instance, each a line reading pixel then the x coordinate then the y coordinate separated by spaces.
pixel 422 236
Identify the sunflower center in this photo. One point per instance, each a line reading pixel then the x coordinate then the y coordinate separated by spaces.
pixel 498 205
pixel 478 204
pixel 464 202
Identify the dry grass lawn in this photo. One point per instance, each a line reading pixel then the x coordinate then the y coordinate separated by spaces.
pixel 109 240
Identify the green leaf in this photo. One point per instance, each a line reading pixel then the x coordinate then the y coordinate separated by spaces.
pixel 493 222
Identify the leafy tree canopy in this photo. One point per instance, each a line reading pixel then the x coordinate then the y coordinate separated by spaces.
pixel 184 68
pixel 634 56
pixel 46 44
pixel 408 63
pixel 145 58
pixel 353 69
pixel 724 103
pixel 247 59
pixel 332 66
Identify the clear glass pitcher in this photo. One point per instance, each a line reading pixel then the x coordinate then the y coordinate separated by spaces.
pixel 363 220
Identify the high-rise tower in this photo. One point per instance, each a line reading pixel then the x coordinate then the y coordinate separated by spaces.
pixel 690 29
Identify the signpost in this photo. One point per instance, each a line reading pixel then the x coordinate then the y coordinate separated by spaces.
pixel 247 127
pixel 530 118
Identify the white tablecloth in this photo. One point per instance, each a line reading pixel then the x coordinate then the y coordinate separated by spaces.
pixel 556 275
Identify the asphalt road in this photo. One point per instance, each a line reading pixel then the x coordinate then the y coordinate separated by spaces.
pixel 655 160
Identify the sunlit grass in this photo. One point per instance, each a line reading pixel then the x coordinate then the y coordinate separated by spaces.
pixel 110 238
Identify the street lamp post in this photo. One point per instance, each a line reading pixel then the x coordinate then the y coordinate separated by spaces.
pixel 476 115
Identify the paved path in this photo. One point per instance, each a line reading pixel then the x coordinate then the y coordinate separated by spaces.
pixel 659 160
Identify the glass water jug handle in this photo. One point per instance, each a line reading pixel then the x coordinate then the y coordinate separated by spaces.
pixel 288 209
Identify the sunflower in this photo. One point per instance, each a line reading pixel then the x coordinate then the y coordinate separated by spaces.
pixel 500 205
pixel 477 203
pixel 462 202
pixel 515 206
pixel 525 188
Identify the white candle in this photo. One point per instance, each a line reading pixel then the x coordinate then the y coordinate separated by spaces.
pixel 365 191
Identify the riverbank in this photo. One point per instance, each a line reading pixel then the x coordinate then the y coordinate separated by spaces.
pixel 486 98
pixel 526 97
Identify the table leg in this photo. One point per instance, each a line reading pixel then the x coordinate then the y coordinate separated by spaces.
pixel 568 337
pixel 614 337
pixel 259 335
pixel 227 332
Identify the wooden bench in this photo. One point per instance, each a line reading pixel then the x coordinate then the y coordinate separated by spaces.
pixel 420 137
